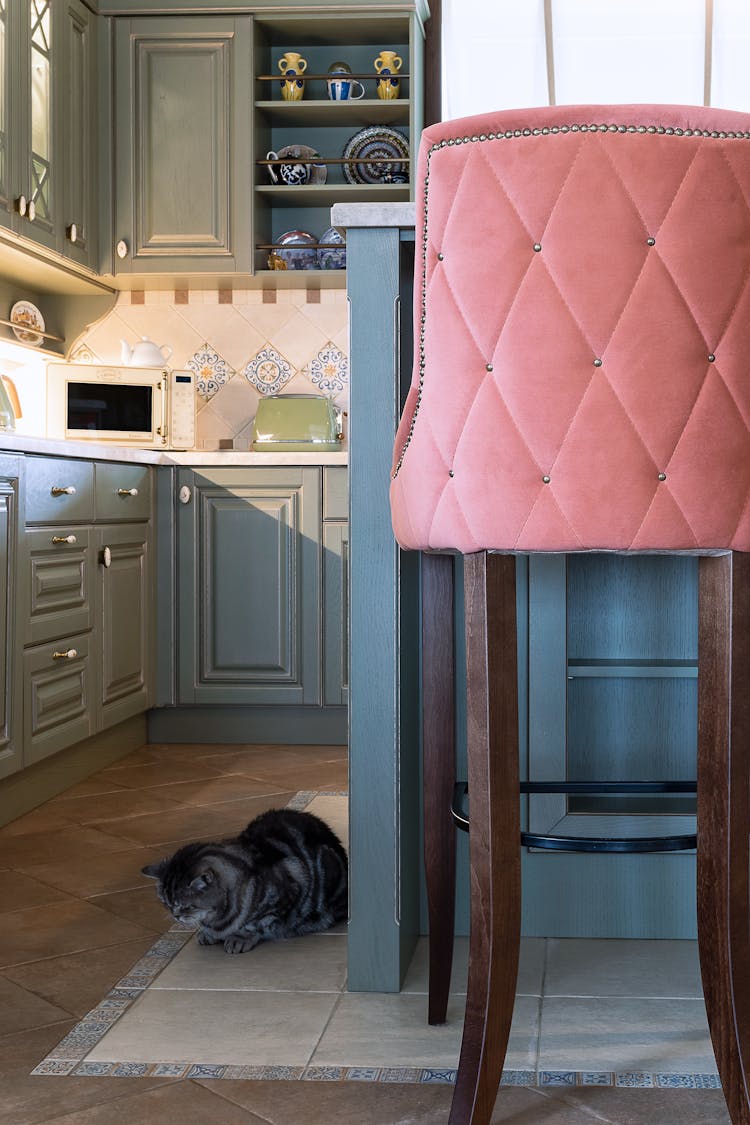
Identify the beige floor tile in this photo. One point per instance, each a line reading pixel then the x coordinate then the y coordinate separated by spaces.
pixel 78 981
pixel 228 787
pixel 335 812
pixel 279 1029
pixel 375 1029
pixel 98 874
pixel 22 852
pixel 141 906
pixel 167 830
pixel 183 1102
pixel 530 967
pixel 68 927
pixel 21 1010
pixel 28 1099
pixel 623 968
pixel 313 963
pixel 625 1034
pixel 18 892
pixel 111 806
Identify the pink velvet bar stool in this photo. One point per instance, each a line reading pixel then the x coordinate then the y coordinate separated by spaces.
pixel 581 383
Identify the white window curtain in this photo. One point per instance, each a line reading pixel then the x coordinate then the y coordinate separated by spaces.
pixel 502 54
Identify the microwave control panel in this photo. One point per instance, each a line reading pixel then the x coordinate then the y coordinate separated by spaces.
pixel 182 410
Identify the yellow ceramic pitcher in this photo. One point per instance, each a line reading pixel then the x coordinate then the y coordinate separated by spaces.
pixel 388 64
pixel 292 65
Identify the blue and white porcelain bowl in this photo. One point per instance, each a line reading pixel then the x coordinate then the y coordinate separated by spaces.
pixel 297 248
pixel 332 257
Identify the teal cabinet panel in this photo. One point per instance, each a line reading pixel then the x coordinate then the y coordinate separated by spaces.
pixel 122 491
pixel 58 696
pixel 335 612
pixel 335 493
pixel 182 97
pixel 59 490
pixel 58 563
pixel 249 582
pixel 11 724
pixel 79 126
pixel 124 614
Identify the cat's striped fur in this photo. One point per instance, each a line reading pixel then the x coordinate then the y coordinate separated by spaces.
pixel 284 875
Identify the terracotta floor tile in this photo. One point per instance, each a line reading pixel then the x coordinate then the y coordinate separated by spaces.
pixel 76 843
pixel 644 1107
pixel 27 1099
pixel 87 788
pixel 325 775
pixel 140 906
pixel 228 787
pixel 183 1102
pixel 18 892
pixel 42 819
pixel 157 773
pixel 21 1010
pixel 98 874
pixel 78 981
pixel 49 931
pixel 203 822
pixel 114 806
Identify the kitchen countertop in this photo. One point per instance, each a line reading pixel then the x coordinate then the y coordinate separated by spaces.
pixel 92 451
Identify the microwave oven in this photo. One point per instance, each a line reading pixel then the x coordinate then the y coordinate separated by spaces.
pixel 143 407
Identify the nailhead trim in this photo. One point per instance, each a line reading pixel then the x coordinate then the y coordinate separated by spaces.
pixel 544 131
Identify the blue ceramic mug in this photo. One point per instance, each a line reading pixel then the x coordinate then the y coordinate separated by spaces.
pixel 342 89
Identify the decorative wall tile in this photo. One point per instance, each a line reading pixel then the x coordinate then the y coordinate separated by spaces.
pixel 211 370
pixel 268 371
pixel 329 371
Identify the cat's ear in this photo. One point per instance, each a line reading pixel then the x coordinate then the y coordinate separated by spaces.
pixel 154 870
pixel 205 879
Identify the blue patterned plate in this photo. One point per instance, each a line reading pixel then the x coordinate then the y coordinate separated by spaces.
pixel 332 257
pixel 298 249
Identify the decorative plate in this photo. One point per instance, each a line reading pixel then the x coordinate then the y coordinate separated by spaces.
pixel 298 249
pixel 24 317
pixel 332 257
pixel 293 154
pixel 367 148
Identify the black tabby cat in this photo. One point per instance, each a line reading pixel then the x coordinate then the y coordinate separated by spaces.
pixel 284 875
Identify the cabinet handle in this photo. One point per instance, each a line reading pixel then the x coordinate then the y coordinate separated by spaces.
pixel 127 491
pixel 122 249
pixel 71 232
pixel 107 557
pixel 63 490
pixel 31 211
pixel 64 539
pixel 70 654
pixel 21 204
pixel 185 495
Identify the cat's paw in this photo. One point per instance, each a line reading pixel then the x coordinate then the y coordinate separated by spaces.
pixel 204 939
pixel 238 944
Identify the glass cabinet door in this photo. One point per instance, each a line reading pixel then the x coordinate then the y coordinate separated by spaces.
pixel 4 190
pixel 40 166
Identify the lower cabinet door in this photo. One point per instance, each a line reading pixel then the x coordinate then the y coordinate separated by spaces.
pixel 335 612
pixel 11 726
pixel 58 695
pixel 124 605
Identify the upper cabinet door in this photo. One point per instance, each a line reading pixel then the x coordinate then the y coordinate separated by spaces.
pixel 78 104
pixel 182 120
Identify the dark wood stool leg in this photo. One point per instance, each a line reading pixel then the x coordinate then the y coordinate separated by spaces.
pixel 494 831
pixel 724 818
pixel 439 772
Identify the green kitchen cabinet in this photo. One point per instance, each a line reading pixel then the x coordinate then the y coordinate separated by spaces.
pixel 181 145
pixel 11 728
pixel 249 579
pixel 335 620
pixel 78 228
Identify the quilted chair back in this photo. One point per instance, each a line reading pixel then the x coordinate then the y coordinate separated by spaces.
pixel 582 356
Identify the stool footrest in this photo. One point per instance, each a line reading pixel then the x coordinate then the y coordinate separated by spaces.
pixel 591 843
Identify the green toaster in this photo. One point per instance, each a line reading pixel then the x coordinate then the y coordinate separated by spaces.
pixel 297 424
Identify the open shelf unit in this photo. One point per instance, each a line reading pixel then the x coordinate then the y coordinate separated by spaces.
pixel 356 38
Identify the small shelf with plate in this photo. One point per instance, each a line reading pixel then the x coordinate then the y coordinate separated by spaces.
pixel 313 49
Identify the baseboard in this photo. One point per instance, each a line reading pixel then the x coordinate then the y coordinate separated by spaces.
pixel 30 787
pixel 314 726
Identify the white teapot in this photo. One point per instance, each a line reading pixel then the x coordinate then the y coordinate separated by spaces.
pixel 145 353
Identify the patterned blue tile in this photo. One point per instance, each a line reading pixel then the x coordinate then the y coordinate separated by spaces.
pixel 284 1073
pixel 596 1078
pixel 170 1070
pixel 245 1073
pixel 131 1070
pixel 206 1070
pixel 324 1073
pixel 302 799
pixel 400 1073
pixel 95 1069
pixel 55 1066
pixel 329 371
pixel 210 369
pixel 363 1073
pixel 432 1074
pixel 635 1079
pixel 557 1078
pixel 688 1081
pixel 268 371
pixel 518 1078
pixel 79 1040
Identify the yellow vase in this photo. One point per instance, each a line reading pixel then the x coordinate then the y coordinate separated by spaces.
pixel 388 64
pixel 292 65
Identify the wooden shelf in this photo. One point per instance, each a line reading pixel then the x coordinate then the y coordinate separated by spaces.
pixel 311 195
pixel 359 113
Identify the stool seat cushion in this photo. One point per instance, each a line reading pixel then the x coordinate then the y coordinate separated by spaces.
pixel 582 333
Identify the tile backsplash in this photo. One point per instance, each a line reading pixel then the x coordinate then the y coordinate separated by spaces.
pixel 242 344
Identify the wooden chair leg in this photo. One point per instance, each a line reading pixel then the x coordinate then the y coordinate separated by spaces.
pixel 438 761
pixel 494 831
pixel 724 818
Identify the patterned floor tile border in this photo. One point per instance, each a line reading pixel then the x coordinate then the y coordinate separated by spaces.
pixel 69 1056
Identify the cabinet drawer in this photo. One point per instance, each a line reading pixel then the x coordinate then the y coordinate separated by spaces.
pixel 60 571
pixel 335 493
pixel 58 490
pixel 123 492
pixel 59 695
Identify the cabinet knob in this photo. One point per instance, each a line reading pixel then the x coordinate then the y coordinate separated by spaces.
pixel 127 491
pixel 63 490
pixel 107 558
pixel 31 211
pixel 21 204
pixel 122 249
pixel 185 495
pixel 64 539
pixel 71 232
pixel 69 654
